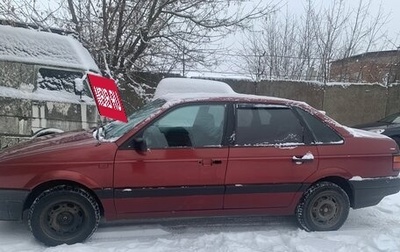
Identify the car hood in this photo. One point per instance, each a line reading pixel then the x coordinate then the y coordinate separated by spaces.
pixel 48 143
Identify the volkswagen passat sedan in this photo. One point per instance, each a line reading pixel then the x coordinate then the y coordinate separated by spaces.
pixel 206 153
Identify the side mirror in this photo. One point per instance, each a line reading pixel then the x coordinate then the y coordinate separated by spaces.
pixel 140 144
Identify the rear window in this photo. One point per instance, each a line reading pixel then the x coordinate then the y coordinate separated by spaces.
pixel 321 132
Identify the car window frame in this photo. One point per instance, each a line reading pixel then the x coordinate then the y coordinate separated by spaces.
pixel 313 140
pixel 307 136
pixel 130 143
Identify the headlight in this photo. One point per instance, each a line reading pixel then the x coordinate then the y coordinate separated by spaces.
pixel 379 131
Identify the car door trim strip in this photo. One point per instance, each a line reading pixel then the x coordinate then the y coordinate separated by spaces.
pixel 203 190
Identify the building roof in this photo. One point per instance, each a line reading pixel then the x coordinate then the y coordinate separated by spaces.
pixel 370 55
pixel 44 48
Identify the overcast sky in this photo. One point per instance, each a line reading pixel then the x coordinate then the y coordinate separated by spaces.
pixel 389 7
pixel 392 28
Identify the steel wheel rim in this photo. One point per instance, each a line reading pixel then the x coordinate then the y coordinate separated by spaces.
pixel 64 219
pixel 325 211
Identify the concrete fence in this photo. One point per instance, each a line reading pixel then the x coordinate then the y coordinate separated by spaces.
pixel 349 104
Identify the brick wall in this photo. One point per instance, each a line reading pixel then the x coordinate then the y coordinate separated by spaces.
pixel 374 67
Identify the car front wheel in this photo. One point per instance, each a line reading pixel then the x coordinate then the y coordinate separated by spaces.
pixel 63 214
pixel 324 207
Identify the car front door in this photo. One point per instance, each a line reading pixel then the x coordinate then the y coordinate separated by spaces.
pixel 270 158
pixel 183 167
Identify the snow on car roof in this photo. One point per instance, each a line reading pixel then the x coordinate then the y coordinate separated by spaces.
pixel 175 90
pixel 186 85
pixel 363 133
pixel 45 48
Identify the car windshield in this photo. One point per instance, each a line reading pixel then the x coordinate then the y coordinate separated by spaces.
pixel 394 118
pixel 116 129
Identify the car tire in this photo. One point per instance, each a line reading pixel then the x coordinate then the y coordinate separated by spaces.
pixel 63 214
pixel 324 207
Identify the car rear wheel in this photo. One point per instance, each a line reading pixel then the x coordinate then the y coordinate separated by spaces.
pixel 324 207
pixel 63 214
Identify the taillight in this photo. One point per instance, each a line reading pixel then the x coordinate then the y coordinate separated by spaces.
pixel 396 162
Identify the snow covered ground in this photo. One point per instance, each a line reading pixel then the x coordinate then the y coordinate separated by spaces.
pixel 370 229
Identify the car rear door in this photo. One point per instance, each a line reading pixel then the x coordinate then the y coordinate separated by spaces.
pixel 183 168
pixel 270 158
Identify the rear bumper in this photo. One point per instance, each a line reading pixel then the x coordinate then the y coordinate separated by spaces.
pixel 370 192
pixel 12 203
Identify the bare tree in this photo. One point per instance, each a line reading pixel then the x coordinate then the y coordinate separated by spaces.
pixel 142 35
pixel 307 43
pixel 128 36
pixel 304 47
pixel 276 51
pixel 328 34
pixel 363 29
pixel 253 55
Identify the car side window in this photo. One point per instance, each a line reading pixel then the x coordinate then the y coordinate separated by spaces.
pixel 188 126
pixel 321 132
pixel 267 125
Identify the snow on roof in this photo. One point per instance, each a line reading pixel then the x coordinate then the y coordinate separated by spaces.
pixel 185 85
pixel 37 47
pixel 45 95
pixel 363 133
pixel 176 90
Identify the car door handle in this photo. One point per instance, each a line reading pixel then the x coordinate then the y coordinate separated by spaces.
pixel 216 161
pixel 308 157
pixel 209 162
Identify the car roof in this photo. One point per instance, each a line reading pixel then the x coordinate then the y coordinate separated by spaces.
pixel 177 90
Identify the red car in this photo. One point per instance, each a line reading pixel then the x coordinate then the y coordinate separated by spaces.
pixel 202 154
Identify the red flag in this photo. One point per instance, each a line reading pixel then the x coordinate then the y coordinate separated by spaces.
pixel 107 98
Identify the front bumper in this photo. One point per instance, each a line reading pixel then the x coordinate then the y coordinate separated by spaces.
pixel 12 203
pixel 369 192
